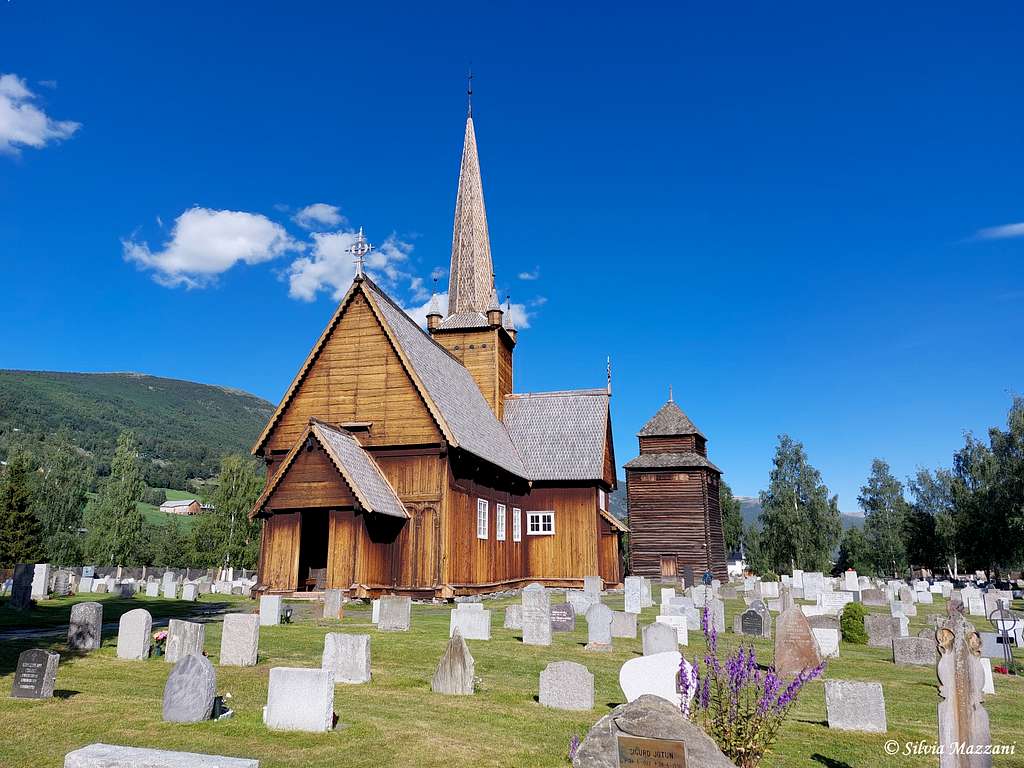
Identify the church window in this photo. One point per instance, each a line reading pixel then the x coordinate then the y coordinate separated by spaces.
pixel 602 500
pixel 481 518
pixel 540 523
pixel 499 522
pixel 517 524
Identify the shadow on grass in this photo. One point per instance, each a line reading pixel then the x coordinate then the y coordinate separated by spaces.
pixel 828 762
pixel 65 694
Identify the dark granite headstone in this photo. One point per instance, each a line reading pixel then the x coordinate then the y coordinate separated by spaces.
pixel 21 587
pixel 563 617
pixel 62 584
pixel 688 575
pixel 35 675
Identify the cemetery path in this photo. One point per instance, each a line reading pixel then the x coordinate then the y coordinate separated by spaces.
pixel 202 616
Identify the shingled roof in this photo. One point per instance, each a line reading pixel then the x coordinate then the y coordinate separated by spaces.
pixel 685 460
pixel 357 468
pixel 669 420
pixel 452 388
pixel 561 435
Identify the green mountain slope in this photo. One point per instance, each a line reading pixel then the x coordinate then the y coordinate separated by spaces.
pixel 183 428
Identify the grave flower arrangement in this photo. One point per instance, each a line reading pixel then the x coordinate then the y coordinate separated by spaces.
pixel 738 703
pixel 159 639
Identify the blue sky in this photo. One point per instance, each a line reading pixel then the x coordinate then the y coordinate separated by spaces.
pixel 799 215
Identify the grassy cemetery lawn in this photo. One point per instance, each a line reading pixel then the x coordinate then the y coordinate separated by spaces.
pixel 396 720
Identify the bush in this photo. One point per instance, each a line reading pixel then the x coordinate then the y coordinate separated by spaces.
pixel 769 576
pixel 154 496
pixel 851 624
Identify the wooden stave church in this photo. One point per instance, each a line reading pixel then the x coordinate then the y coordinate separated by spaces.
pixel 390 438
pixel 672 495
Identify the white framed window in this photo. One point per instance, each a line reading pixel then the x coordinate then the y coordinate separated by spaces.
pixel 602 500
pixel 540 523
pixel 517 524
pixel 499 522
pixel 481 518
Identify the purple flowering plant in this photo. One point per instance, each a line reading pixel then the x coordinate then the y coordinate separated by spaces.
pixel 739 704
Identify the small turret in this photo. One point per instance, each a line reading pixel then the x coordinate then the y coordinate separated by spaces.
pixel 507 322
pixel 434 315
pixel 494 309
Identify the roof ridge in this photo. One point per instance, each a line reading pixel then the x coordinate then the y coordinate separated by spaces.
pixel 590 392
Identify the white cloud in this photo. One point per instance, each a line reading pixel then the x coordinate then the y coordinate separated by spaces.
pixel 1003 232
pixel 520 316
pixel 22 123
pixel 319 216
pixel 530 275
pixel 204 243
pixel 330 267
pixel 419 313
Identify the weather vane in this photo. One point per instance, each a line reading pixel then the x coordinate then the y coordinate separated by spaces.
pixel 359 249
pixel 469 90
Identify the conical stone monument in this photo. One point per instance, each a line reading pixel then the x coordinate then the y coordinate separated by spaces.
pixel 454 675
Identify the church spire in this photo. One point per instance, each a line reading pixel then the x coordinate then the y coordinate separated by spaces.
pixel 471 276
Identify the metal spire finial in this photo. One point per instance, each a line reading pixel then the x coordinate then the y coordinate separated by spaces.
pixel 670 393
pixel 359 249
pixel 469 92
pixel 609 375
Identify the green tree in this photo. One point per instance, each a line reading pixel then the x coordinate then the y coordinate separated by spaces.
pixel 224 535
pixel 754 551
pixel 60 499
pixel 732 519
pixel 885 520
pixel 800 523
pixel 933 496
pixel 115 524
pixel 20 532
pixel 168 547
pixel 854 552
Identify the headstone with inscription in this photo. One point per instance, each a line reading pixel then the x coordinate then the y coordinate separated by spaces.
pixel 41 581
pixel 827 640
pixel 395 613
pixel 633 594
pixel 881 629
pixel 795 646
pixel 332 603
pixel 659 638
pixel 21 587
pixel 909 651
pixel 240 640
pixel 657 675
pixel 471 621
pixel 513 617
pixel 35 675
pixel 300 700
pixel 152 589
pixel 183 638
pixel 563 617
pixel 593 584
pixel 599 628
pixel 189 592
pixel 62 584
pixel 270 610
pixel 646 598
pixel 348 657
pixel 624 625
pixel 680 625
pixel 536 615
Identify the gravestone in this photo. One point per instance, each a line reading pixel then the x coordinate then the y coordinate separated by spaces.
pixel 99 586
pixel 657 675
pixel 86 627
pixel 240 640
pixel 190 690
pixel 134 635
pixel 667 595
pixel 593 585
pixel 795 646
pixel 910 651
pixel 581 601
pixel 855 706
pixel 881 629
pixel 170 589
pixel 472 623
pixel 825 621
pixel 152 589
pixel 566 685
pixel 456 670
pixel 599 628
pixel 35 675
pixel 84 585
pixel 727 592
pixel 188 593
pixel 906 594
pixel 62 584
pixel 375 611
pixel 41 581
pixel 623 737
pixel 679 624
pixel 716 615
pixel 688 580
pixel 563 617
pixel 925 598
pixel 300 700
pixel 963 721
pixel 989 687
pixel 110 756
pixel 332 604
pixel 624 625
pixel 633 594
pixel 124 589
pixel 536 615
pixel 769 589
pixel 976 606
pixel 813 585
pixel 270 610
pixel 21 587
pixel 659 638
pixel 646 598
pixel 752 623
pixel 513 617
pixel 873 597
pixel 348 657
pixel 828 642
pixel 183 638
pixel 395 613
pixel 701 595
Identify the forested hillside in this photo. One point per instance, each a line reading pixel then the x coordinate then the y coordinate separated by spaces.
pixel 183 428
